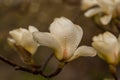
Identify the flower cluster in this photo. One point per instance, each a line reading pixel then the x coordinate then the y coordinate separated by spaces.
pixel 108 9
pixel 64 37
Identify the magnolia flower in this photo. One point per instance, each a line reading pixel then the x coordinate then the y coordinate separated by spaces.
pixel 108 47
pixel 110 8
pixel 24 38
pixel 85 4
pixel 22 41
pixel 64 38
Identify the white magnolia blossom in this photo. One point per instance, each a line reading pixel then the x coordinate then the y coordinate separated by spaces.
pixel 108 47
pixel 23 37
pixel 64 38
pixel 110 8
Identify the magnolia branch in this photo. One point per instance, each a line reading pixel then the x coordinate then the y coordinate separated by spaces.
pixel 33 70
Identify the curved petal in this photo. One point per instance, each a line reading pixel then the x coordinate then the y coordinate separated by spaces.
pixel 85 4
pixel 47 39
pixel 74 40
pixel 83 51
pixel 106 19
pixel 32 29
pixel 96 38
pixel 92 12
pixel 28 43
pixel 109 38
pixel 106 37
pixel 107 53
pixel 68 34
pixel 16 34
pixel 106 5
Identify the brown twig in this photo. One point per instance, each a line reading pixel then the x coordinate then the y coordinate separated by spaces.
pixel 112 69
pixel 16 66
pixel 32 70
pixel 57 71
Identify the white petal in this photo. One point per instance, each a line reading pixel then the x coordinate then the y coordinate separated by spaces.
pixel 98 38
pixel 107 6
pixel 106 19
pixel 16 34
pixel 68 34
pixel 83 51
pixel 85 4
pixel 106 2
pixel 28 43
pixel 73 41
pixel 106 52
pixel 109 38
pixel 47 39
pixel 92 12
pixel 32 29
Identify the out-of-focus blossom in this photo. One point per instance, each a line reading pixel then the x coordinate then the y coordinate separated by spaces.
pixel 64 38
pixel 109 9
pixel 85 4
pixel 108 47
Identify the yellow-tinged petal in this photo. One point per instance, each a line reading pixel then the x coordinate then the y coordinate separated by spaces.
pixel 106 19
pixel 83 51
pixel 28 43
pixel 47 39
pixel 107 48
pixel 32 29
pixel 85 4
pixel 92 12
pixel 16 34
pixel 24 38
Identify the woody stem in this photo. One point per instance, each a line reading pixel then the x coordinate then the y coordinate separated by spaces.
pixel 33 70
pixel 112 69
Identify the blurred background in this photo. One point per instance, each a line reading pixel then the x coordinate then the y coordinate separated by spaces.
pixel 41 13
